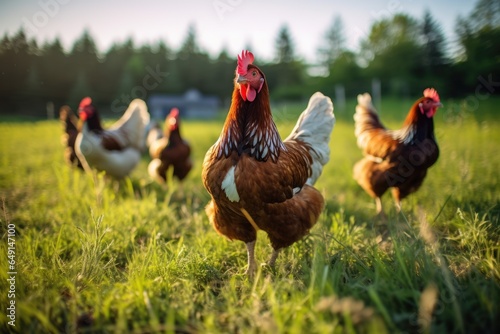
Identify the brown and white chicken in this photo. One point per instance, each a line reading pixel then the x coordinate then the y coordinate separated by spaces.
pixel 116 150
pixel 258 181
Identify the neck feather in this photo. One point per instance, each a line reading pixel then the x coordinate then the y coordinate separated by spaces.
pixel 250 129
pixel 416 127
pixel 94 123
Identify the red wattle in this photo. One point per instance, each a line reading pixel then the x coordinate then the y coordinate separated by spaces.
pixel 243 92
pixel 251 94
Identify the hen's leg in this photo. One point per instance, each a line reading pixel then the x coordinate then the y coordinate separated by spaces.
pixel 398 206
pixel 396 194
pixel 274 256
pixel 380 211
pixel 252 266
pixel 378 203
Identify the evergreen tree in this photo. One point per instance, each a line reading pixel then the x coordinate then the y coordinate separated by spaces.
pixel 114 64
pixel 224 69
pixel 433 43
pixel 124 92
pixel 80 89
pixel 485 15
pixel 478 36
pixel 5 44
pixel 34 84
pixel 345 71
pixel 334 43
pixel 435 64
pixel 393 54
pixel 53 66
pixel 83 58
pixel 6 68
pixel 190 44
pixel 285 52
pixel 158 56
pixel 54 49
pixel 192 66
pixel 479 31
pixel 19 43
pixel 84 46
pixel 19 60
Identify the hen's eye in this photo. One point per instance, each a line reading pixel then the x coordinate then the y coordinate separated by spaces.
pixel 254 73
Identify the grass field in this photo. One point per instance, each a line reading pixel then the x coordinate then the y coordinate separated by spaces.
pixel 97 255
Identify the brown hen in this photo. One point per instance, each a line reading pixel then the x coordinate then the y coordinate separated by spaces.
pixel 395 159
pixel 256 180
pixel 170 151
pixel 69 122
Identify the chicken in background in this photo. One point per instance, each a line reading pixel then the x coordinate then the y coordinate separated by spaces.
pixel 116 150
pixel 170 151
pixel 396 159
pixel 153 133
pixel 70 126
pixel 256 180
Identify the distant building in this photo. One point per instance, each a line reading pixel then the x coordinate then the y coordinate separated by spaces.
pixel 191 105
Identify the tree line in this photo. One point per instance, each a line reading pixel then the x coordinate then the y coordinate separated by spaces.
pixel 403 53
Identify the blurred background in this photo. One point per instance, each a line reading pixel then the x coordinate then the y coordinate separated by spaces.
pixel 54 52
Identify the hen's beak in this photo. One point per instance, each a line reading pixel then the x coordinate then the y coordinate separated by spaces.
pixel 438 105
pixel 241 79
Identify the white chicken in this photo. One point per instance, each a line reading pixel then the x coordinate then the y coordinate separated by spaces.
pixel 118 149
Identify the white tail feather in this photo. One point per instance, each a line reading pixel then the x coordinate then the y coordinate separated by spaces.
pixel 365 101
pixel 130 128
pixel 365 120
pixel 314 127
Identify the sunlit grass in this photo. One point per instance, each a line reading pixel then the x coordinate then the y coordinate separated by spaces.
pixel 99 255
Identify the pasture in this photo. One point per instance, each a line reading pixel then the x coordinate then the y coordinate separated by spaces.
pixel 102 256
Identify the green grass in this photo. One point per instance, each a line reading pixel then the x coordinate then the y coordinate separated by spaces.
pixel 96 255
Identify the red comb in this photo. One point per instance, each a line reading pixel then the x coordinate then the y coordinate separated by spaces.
pixel 245 59
pixel 174 112
pixel 432 93
pixel 86 101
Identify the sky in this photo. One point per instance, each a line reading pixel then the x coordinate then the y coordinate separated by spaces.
pixel 229 24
